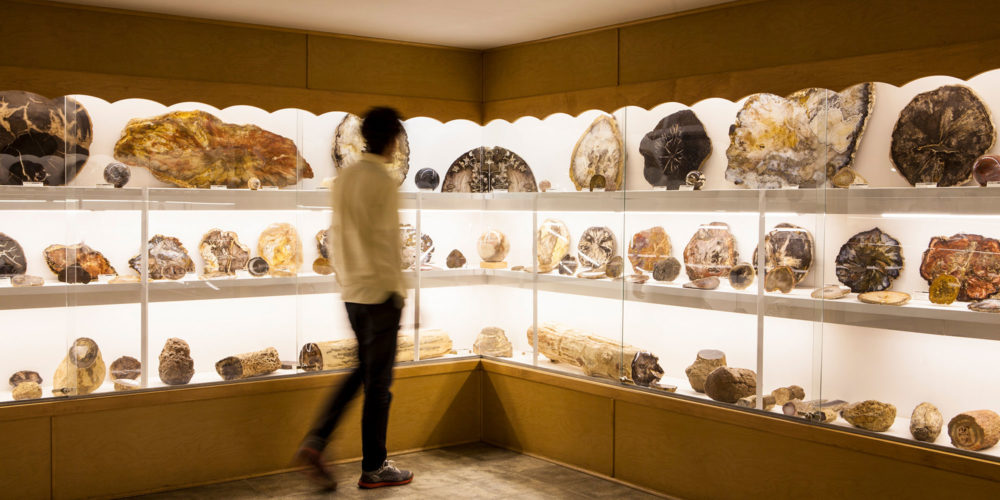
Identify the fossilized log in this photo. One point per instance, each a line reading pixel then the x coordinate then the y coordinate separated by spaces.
pixel 248 364
pixel 783 395
pixel 751 402
pixel 597 356
pixel 706 361
pixel 975 430
pixel 336 354
pixel 82 371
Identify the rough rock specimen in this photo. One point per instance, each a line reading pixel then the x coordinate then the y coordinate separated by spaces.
pixel 544 186
pixel 648 247
pixel 280 246
pixel 195 149
pixel 24 376
pixel 492 341
pixel 168 259
pixel 12 261
pixel 944 289
pixel 830 292
pixel 788 245
pixel 223 253
pixel 27 390
pixel 493 246
pixel 408 255
pixel 987 306
pixel 596 356
pixel 337 354
pixel 82 371
pixel 677 146
pixel 818 410
pixel 257 266
pixel 711 251
pixel 975 430
pixel 26 280
pixel 553 244
pixel 323 243
pixel 706 362
pixel 798 141
pixel 42 140
pixel 939 135
pixel 667 269
pixel 869 261
pixel 348 144
pixel 986 169
pixel 780 279
pixel 709 283
pixel 599 152
pixel 885 298
pixel 783 395
pixel 596 247
pixel 427 178
pixel 117 174
pixel 248 364
pixel 741 276
pixel 124 372
pixel 973 259
pixel 74 273
pixel 568 265
pixel 615 267
pixel 322 266
pixel 870 415
pixel 751 402
pixel 455 259
pixel 729 384
pixel 926 422
pixel 482 170
pixel 176 365
pixel 57 257
pixel 646 371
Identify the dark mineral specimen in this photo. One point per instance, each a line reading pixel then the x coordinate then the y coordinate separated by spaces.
pixel 74 274
pixel 57 257
pixel 176 365
pixel 117 174
pixel 568 265
pixel 427 178
pixel 667 269
pixel 455 259
pixel 646 370
pixel 973 259
pixel 168 259
pixel 677 146
pixel 482 170
pixel 257 266
pixel 42 140
pixel 12 259
pixel 869 261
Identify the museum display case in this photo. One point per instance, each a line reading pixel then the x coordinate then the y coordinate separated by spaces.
pixel 827 257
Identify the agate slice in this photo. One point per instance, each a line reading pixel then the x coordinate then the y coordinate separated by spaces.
pixel 42 140
pixel 223 253
pixel 869 261
pixel 788 245
pixel 596 247
pixel 323 243
pixel 939 135
pixel 885 298
pixel 348 144
pixel 830 292
pixel 973 259
pixel 168 259
pixel 12 260
pixel 711 251
pixel 280 246
pixel 599 151
pixel 648 247
pixel 493 246
pixel 553 244
pixel 57 257
pixel 408 237
pixel 482 170
pixel 677 146
pixel 195 149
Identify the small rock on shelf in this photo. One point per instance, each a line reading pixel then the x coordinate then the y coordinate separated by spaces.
pixel 987 306
pixel 26 280
pixel 176 364
pixel 975 430
pixel 74 274
pixel 986 169
pixel 667 269
pixel 544 186
pixel 27 390
pixel 455 259
pixel 253 183
pixel 885 298
pixel 926 422
pixel 615 267
pixel 870 415
pixel 728 384
pixel 830 292
pixel 322 266
pixel 257 266
pixel 492 341
pixel 117 174
pixel 568 265
pixel 741 276
pixel 780 279
pixel 427 178
pixel 124 371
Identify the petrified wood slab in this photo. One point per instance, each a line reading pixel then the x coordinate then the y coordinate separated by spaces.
pixel 42 140
pixel 839 120
pixel 280 246
pixel 492 341
pixel 408 238
pixel 493 246
pixel 12 260
pixel 788 245
pixel 82 371
pixel 553 244
pixel 596 247
pixel 248 364
pixel 975 430
pixel 599 151
pixel 337 354
pixel 677 146
pixel 223 253
pixel 711 251
pixel 58 257
pixel 195 149
pixel 176 364
pixel 596 356
pixel 348 144
pixel 939 135
pixel 168 259
pixel 973 259
pixel 482 170
pixel 869 261
pixel 648 247
pixel 751 402
pixel 926 422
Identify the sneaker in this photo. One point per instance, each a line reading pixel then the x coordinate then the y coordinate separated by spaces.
pixel 387 475
pixel 315 469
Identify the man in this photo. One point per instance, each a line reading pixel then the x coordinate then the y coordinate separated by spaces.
pixel 365 245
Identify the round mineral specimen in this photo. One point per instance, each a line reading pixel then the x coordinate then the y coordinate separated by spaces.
pixel 257 266
pixel 596 247
pixel 74 274
pixel 223 253
pixel 830 292
pixel 781 279
pixel 58 256
pixel 599 152
pixel 939 135
pixel 729 384
pixel 568 265
pixel 676 147
pixel 408 236
pixel 323 243
pixel 869 261
pixel 12 261
pixel 870 415
pixel 711 251
pixel 117 174
pixel 709 283
pixel 615 267
pixel 788 245
pixel 553 244
pixel 493 246
pixel 168 259
pixel 124 371
pixel 26 280
pixel 973 259
pixel 427 178
pixel 695 179
pixel 27 390
pixel 455 259
pixel 42 140
pixel 24 376
pixel 482 170
pixel 926 422
pixel 544 186
pixel 986 169
pixel 348 144
pixel 176 365
pixel 667 269
pixel 322 266
pixel 944 289
pixel 648 247
pixel 280 246
pixel 741 276
pixel 987 306
pixel 253 183
pixel 885 298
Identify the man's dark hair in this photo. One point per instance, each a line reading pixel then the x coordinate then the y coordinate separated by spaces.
pixel 380 128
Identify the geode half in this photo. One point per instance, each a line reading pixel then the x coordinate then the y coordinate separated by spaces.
pixel 597 246
pixel 348 144
pixel 58 257
pixel 677 146
pixel 482 170
pixel 939 135
pixel 869 261
pixel 223 253
pixel 973 259
pixel 42 140
pixel 195 149
pixel 280 246
pixel 788 245
pixel 711 251
pixel 599 151
pixel 12 260
pixel 168 259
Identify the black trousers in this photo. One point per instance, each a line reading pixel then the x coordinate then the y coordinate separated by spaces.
pixel 376 327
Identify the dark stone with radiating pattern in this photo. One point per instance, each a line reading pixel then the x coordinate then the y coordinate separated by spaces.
pixel 677 146
pixel 42 140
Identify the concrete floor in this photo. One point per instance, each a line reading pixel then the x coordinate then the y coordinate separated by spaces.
pixel 458 472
